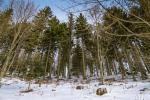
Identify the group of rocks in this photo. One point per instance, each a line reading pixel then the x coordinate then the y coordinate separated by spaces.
pixel 99 91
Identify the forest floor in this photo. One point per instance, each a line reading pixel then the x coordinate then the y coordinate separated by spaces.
pixel 126 90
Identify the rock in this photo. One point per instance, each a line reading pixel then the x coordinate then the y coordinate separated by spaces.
pixel 42 82
pixel 79 87
pixel 101 91
pixel 100 83
pixel 75 81
pixel 144 89
pixel 26 91
pixel 128 73
pixel 109 79
pixel 53 90
pixel 83 82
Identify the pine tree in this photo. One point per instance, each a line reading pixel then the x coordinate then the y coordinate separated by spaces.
pixel 81 32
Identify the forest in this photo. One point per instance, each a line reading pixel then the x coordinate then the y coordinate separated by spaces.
pixel 102 44
pixel 36 45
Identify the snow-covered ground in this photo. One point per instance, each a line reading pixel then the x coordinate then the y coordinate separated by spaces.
pixel 67 91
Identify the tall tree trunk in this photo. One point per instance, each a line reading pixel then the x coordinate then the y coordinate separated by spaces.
pixel 83 63
pixel 130 63
pixel 108 67
pixel 99 60
pixel 47 62
pixel 138 59
pixel 58 66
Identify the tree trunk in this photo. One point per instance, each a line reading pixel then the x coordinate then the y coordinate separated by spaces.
pixel 99 60
pixel 83 63
pixel 138 59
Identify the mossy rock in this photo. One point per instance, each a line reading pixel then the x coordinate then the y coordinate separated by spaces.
pixel 101 91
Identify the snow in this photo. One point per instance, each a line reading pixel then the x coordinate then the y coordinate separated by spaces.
pixel 11 88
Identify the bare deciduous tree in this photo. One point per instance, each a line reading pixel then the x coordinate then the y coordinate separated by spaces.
pixel 22 13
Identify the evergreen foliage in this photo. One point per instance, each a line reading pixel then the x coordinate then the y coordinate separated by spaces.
pixel 45 47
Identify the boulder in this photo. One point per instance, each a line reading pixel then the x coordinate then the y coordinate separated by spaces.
pixel 101 91
pixel 79 87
